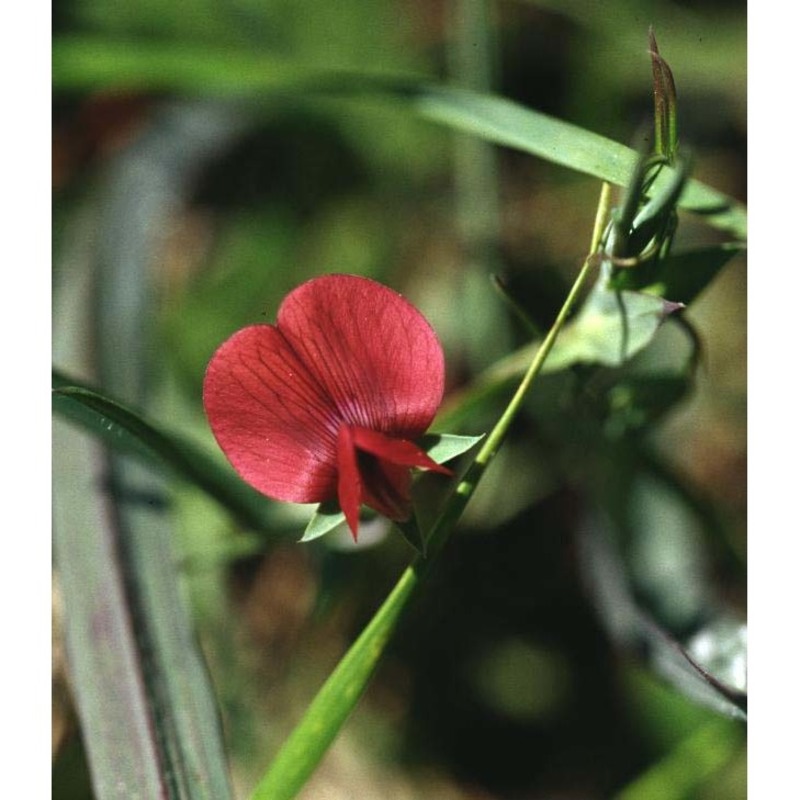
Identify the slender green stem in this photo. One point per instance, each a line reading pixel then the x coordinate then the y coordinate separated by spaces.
pixel 495 438
pixel 309 741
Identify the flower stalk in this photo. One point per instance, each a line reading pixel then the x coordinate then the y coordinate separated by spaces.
pixel 334 702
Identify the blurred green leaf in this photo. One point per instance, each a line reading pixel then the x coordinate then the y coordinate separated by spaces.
pixel 85 63
pixel 679 277
pixel 633 630
pixel 639 401
pixel 687 767
pixel 90 63
pixel 128 432
pixel 610 328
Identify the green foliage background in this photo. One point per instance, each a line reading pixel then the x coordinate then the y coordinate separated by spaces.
pixel 506 681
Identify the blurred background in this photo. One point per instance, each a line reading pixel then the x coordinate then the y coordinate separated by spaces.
pixel 183 210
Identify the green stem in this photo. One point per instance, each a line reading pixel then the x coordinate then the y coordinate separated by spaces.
pixel 312 737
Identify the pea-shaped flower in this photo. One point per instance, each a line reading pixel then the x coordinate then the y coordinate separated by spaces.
pixel 326 403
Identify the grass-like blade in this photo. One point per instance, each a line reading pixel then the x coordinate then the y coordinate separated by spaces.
pixel 336 699
pixel 105 669
pixel 86 63
pixel 129 432
pixel 164 664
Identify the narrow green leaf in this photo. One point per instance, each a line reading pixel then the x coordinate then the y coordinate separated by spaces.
pixel 128 432
pixel 338 696
pixel 88 63
pixel 186 724
pixel 506 123
pixel 105 670
pixel 666 103
pixel 163 665
pixel 679 277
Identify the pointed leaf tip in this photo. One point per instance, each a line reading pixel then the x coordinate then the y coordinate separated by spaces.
pixel 443 447
pixel 665 101
pixel 325 518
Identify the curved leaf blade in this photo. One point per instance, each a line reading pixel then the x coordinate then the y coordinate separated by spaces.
pixel 85 63
pixel 127 431
pixel 100 639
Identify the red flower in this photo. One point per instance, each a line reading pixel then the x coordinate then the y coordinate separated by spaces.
pixel 325 403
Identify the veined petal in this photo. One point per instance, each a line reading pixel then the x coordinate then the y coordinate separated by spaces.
pixel 271 417
pixel 374 354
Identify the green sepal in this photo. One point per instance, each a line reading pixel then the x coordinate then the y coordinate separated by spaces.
pixel 443 447
pixel 326 517
pixel 413 535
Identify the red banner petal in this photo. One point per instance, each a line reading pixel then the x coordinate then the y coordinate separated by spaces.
pixel 271 418
pixel 376 356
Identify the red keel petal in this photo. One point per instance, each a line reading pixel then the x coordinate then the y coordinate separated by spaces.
pixel 375 470
pixel 386 487
pixel 349 484
pixel 395 451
